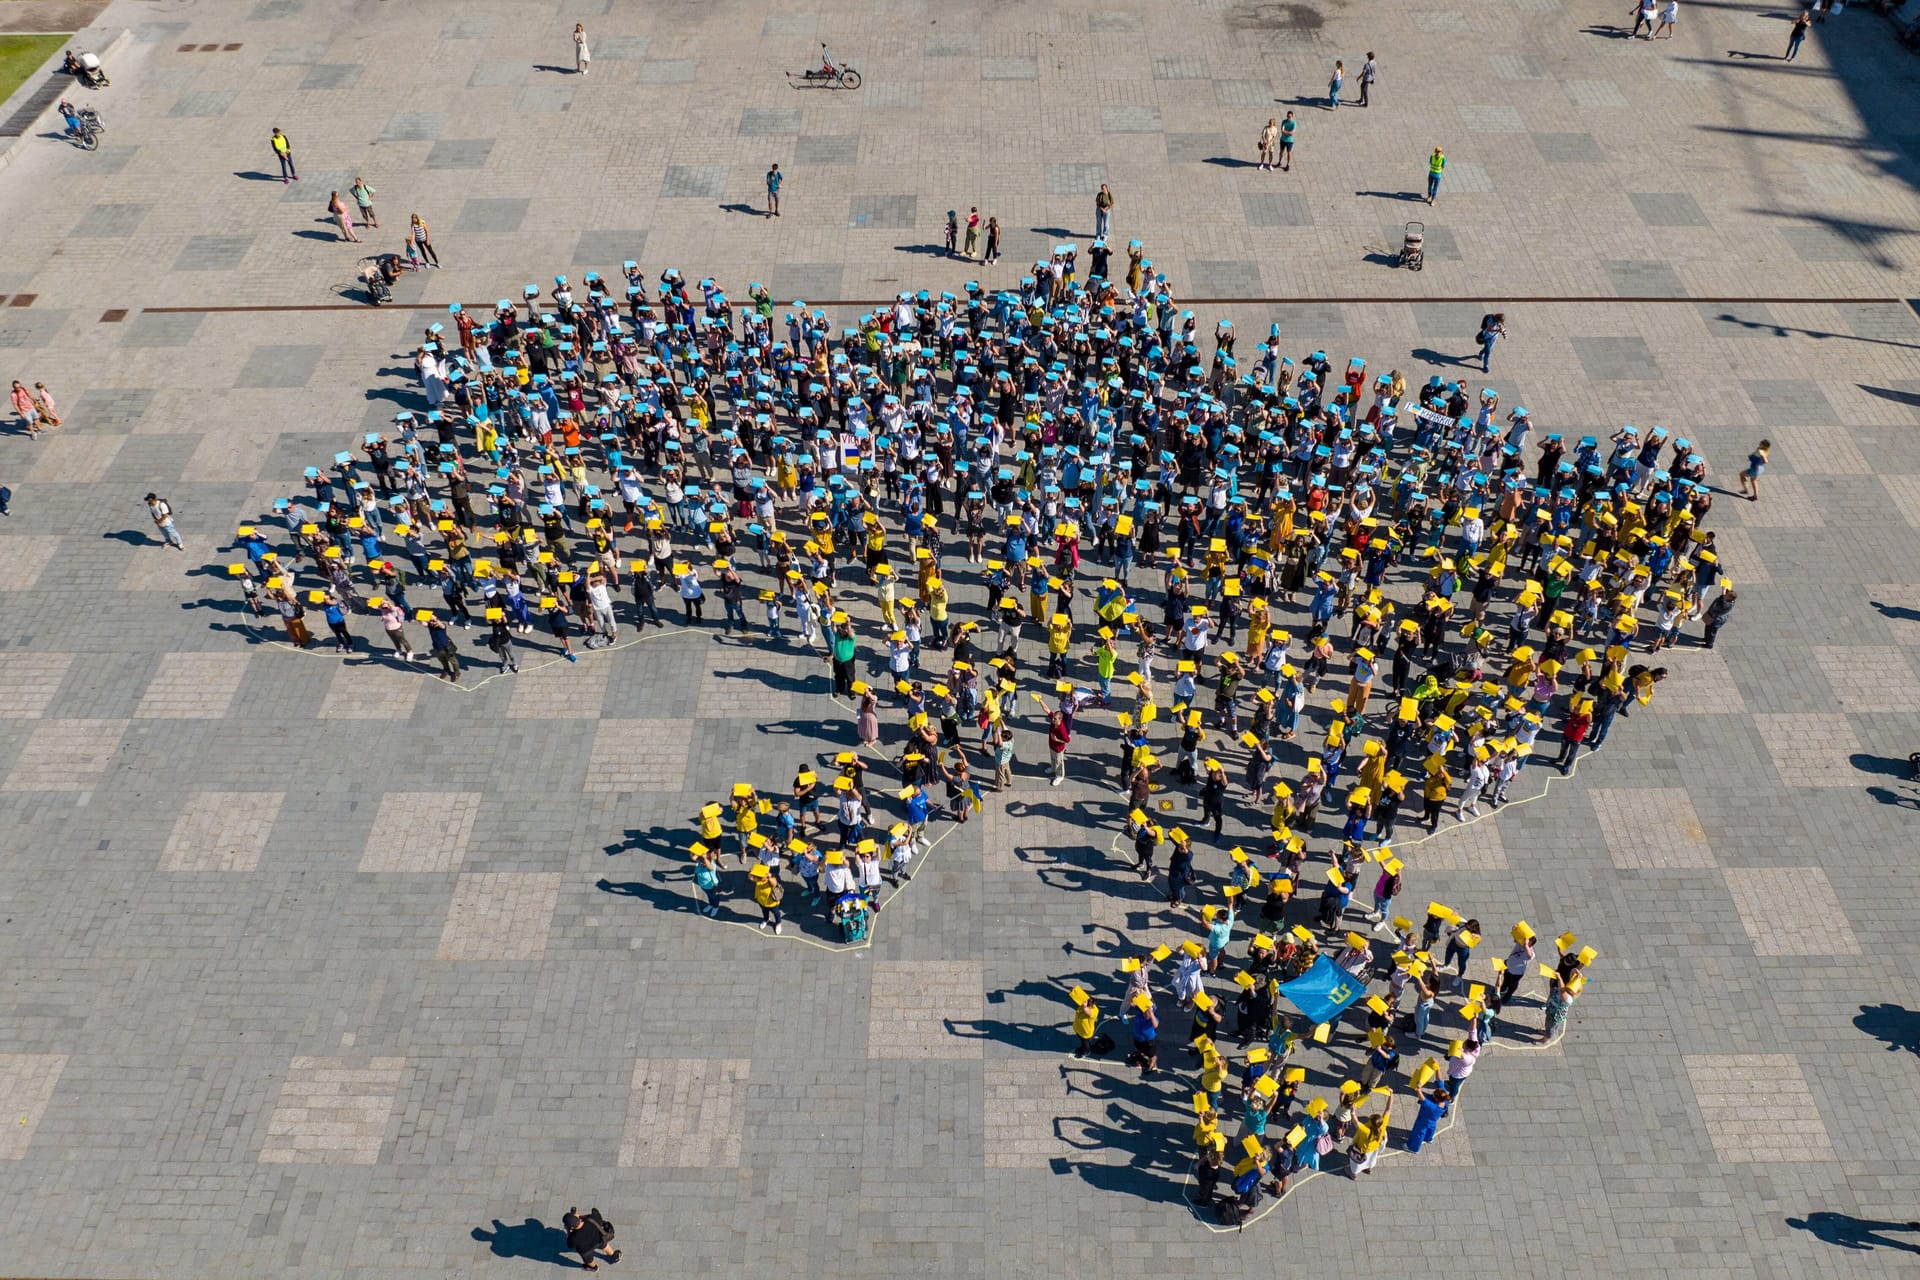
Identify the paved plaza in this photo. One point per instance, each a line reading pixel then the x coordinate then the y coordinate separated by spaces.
pixel 317 966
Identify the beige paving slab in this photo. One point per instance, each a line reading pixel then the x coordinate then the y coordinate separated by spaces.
pixel 1791 911
pixel 1783 504
pixel 1700 683
pixel 1475 846
pixel 686 1113
pixel 1651 828
pixel 1811 749
pixel 560 690
pixel 28 682
pixel 638 755
pixel 27 1084
pixel 333 1111
pixel 22 557
pixel 227 456
pixel 500 915
pixel 1045 1107
pixel 193 686
pixel 1869 678
pixel 66 755
pixel 222 831
pixel 370 691
pixel 71 457
pixel 1758 1109
pixel 421 832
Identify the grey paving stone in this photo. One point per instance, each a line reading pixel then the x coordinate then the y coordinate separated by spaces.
pixel 1192 148
pixel 1441 244
pixel 1667 209
pixel 769 122
pixel 953 44
pixel 621 47
pixel 1224 279
pixel 1018 67
pixel 1736 320
pixel 503 73
pixel 893 212
pixel 1129 118
pixel 1789 402
pixel 706 181
pixel 1568 148
pixel 669 71
pixel 1615 359
pixel 110 221
pixel 1184 66
pixel 1243 93
pixel 203 102
pixel 414 126
pixel 604 251
pixel 275 10
pixel 468 26
pixel 1644 279
pixel 1074 179
pixel 790 24
pixel 493 213
pixel 806 281
pixel 827 149
pixel 22 330
pixel 544 99
pixel 334 75
pixel 212 253
pixel 1113 22
pixel 280 366
pixel 1819 243
pixel 1276 209
pixel 168 330
pixel 459 153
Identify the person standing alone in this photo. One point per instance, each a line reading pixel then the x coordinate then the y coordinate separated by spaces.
pixel 581 57
pixel 1436 165
pixel 283 152
pixel 162 512
pixel 774 179
pixel 1798 34
pixel 1103 211
pixel 1368 70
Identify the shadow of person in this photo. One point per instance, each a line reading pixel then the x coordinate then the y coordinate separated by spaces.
pixel 1849 1232
pixel 532 1239
pixel 1897 1026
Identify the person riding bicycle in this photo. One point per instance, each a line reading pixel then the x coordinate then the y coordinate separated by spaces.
pixel 71 114
pixel 826 60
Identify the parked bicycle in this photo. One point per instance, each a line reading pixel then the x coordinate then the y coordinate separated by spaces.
pixel 84 125
pixel 829 73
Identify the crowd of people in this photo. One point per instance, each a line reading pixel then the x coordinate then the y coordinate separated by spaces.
pixel 1328 604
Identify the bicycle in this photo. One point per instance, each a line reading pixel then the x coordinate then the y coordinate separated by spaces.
pixel 84 127
pixel 827 73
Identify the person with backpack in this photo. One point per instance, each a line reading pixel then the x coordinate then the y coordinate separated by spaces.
pixel 1493 327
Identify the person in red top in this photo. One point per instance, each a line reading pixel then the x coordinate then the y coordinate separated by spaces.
pixel 1058 736
pixel 1579 720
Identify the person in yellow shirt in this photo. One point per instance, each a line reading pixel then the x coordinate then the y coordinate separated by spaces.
pixel 1369 1140
pixel 1086 1021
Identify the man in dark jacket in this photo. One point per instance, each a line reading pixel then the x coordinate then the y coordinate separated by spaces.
pixel 589 1237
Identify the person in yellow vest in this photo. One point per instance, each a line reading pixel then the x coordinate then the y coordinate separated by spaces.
pixel 1436 164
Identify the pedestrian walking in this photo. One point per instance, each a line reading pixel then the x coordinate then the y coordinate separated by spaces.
pixel 363 197
pixel 1103 211
pixel 1334 82
pixel 1796 35
pixel 49 409
pixel 1669 16
pixel 1269 145
pixel 993 241
pixel 1493 327
pixel 774 179
pixel 283 152
pixel 589 1237
pixel 162 513
pixel 1718 612
pixel 1750 478
pixel 1368 71
pixel 341 218
pixel 581 56
pixel 1436 165
pixel 26 408
pixel 1059 734
pixel 421 241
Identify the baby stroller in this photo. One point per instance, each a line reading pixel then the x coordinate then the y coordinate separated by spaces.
pixel 1413 250
pixel 853 915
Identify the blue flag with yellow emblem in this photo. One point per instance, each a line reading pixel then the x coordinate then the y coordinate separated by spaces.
pixel 1324 991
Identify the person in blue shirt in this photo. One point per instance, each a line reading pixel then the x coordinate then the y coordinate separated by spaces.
pixel 774 179
pixel 1433 1107
pixel 1146 1033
